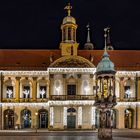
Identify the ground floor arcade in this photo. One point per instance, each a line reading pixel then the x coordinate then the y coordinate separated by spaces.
pixel 66 116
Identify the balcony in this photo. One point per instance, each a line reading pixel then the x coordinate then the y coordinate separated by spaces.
pixel 8 100
pixel 72 97
pixel 131 99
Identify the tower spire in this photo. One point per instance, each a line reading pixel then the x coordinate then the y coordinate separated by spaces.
pixel 105 36
pixel 88 45
pixel 68 8
pixel 109 46
pixel 88 33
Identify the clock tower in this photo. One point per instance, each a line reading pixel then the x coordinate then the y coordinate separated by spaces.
pixel 68 44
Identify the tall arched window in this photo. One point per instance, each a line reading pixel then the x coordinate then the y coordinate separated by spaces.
pixel 26 118
pixel 128 117
pixel 9 89
pixel 25 89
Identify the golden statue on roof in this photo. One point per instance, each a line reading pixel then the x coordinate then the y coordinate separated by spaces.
pixel 68 8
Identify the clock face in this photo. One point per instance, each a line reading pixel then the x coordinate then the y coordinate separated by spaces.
pixel 68 49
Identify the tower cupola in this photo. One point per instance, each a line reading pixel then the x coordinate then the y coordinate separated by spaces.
pixel 68 43
pixel 105 65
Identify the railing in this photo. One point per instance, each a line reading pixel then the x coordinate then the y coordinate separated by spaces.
pixel 24 100
pixel 8 99
pixel 131 99
pixel 72 97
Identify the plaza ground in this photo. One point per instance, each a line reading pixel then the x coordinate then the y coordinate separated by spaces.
pixel 129 134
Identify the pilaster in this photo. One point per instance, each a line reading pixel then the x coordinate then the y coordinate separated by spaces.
pixel 65 117
pixel 79 117
pixel 138 116
pixel 93 117
pixel 1 116
pixel 17 89
pixel 138 88
pixel 51 117
pixel 34 90
pixel 121 118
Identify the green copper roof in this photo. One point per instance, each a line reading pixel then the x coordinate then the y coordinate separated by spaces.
pixel 105 65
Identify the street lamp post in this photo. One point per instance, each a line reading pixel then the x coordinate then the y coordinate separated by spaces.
pixel 36 114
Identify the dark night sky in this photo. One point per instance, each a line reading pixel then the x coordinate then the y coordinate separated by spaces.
pixel 36 23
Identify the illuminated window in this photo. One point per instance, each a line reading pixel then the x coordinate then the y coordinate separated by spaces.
pixel 9 92
pixel 42 92
pixel 127 92
pixel 26 91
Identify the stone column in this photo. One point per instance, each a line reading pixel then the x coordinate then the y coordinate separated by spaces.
pixel 17 89
pixel 93 117
pixel 138 117
pixel 79 84
pixel 64 86
pixel 34 90
pixel 0 101
pixel 65 117
pixel 79 117
pixel 18 114
pixel 51 117
pixel 66 34
pixel 121 90
pixel 138 89
pixel 51 87
pixel 121 118
pixel 34 117
pixel 1 116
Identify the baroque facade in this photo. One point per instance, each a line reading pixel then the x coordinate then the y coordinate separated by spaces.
pixel 56 89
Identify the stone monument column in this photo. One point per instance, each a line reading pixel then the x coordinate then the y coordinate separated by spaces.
pixel 105 95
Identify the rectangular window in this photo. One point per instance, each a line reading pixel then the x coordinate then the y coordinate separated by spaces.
pixel 71 90
pixel 9 92
pixel 42 92
pixel 26 91
pixel 127 92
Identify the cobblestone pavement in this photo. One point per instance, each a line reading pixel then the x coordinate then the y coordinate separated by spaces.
pixel 67 135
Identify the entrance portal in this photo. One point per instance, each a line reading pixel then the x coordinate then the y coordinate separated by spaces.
pixel 8 119
pixel 71 121
pixel 26 118
pixel 71 118
pixel 43 118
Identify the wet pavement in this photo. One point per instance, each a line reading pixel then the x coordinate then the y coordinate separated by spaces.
pixel 67 135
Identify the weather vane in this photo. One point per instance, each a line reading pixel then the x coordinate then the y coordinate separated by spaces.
pixel 68 8
pixel 88 27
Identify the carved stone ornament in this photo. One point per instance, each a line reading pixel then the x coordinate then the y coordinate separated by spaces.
pixel 72 61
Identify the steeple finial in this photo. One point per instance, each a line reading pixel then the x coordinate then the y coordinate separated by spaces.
pixel 88 33
pixel 68 8
pixel 105 36
pixel 108 36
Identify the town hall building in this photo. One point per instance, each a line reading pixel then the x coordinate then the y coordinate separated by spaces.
pixel 56 89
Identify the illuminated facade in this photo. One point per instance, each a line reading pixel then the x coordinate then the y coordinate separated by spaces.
pixel 56 89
